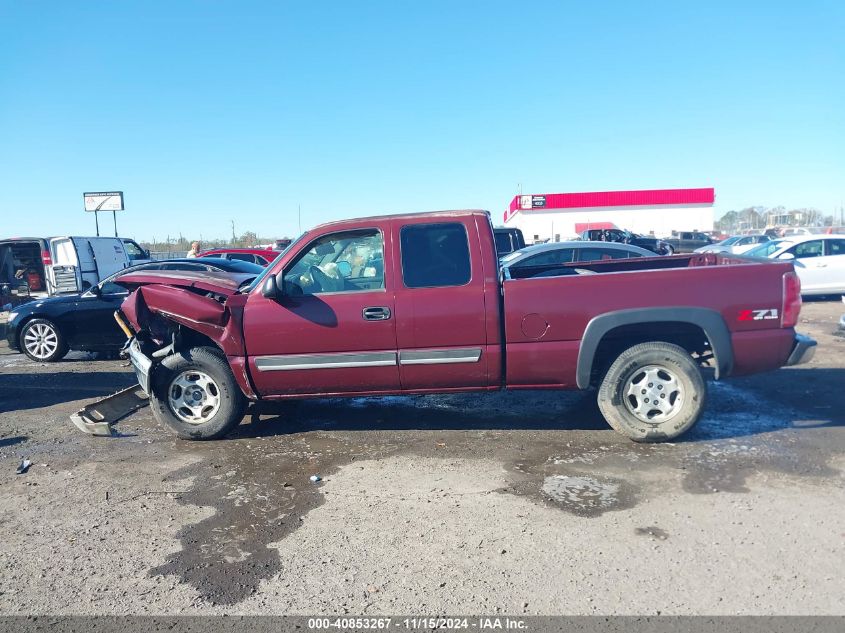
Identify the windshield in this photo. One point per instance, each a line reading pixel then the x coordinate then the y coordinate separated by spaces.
pixel 767 248
pixel 260 279
pixel 730 240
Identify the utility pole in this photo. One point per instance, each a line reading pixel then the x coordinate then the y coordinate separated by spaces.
pixel 233 232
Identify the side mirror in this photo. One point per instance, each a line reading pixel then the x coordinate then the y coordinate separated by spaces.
pixel 786 256
pixel 96 291
pixel 270 288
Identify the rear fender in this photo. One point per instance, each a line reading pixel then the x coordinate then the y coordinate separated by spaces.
pixel 710 321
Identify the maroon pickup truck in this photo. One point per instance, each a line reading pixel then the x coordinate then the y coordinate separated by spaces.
pixel 417 304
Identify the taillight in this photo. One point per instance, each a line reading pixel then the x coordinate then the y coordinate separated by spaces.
pixel 46 259
pixel 791 300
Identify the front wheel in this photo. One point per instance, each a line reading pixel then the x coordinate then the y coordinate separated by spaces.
pixel 195 394
pixel 42 341
pixel 652 392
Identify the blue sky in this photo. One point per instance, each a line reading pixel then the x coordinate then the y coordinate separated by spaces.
pixel 204 112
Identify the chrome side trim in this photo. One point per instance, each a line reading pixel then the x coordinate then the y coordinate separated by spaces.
pixel 325 361
pixel 438 357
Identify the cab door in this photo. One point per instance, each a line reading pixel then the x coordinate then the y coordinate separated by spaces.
pixel 333 329
pixel 442 304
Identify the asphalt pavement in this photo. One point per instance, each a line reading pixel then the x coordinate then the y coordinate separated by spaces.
pixel 518 503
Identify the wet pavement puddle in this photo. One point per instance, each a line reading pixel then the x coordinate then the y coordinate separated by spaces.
pixel 260 491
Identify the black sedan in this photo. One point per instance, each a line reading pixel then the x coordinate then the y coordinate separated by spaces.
pixel 47 329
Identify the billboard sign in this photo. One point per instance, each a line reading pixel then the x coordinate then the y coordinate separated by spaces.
pixel 103 201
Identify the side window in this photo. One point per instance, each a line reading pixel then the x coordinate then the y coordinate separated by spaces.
pixel 836 247
pixel 503 242
pixel 111 288
pixel 339 262
pixel 242 257
pixel 556 256
pixel 133 250
pixel 813 248
pixel 435 255
pixel 595 254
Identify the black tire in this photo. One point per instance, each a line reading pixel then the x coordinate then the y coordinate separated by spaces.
pixel 42 341
pixel 635 382
pixel 188 367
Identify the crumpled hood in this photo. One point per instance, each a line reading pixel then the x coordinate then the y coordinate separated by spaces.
pixel 221 283
pixel 203 301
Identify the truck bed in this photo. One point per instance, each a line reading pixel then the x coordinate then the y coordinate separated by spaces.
pixel 553 314
pixel 690 260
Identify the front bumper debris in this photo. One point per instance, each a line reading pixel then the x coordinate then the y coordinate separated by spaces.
pixel 142 364
pixel 98 417
pixel 803 350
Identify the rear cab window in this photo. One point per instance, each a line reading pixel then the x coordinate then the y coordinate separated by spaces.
pixel 435 255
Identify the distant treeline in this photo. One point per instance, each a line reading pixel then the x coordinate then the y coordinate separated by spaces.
pixel 182 243
pixel 761 217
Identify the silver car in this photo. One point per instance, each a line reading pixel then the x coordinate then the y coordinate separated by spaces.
pixel 735 245
pixel 542 256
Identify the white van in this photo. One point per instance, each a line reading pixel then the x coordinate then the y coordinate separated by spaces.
pixel 42 267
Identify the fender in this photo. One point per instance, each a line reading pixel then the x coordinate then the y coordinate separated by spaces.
pixel 710 321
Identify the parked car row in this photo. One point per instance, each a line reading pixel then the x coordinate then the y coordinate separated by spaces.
pixel 46 329
pixel 736 244
pixel 42 267
pixel 621 236
pixel 260 256
pixel 542 260
pixel 819 260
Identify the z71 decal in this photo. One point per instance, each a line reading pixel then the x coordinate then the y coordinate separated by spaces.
pixel 758 315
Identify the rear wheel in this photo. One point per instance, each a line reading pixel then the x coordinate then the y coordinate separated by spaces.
pixel 42 341
pixel 195 394
pixel 652 392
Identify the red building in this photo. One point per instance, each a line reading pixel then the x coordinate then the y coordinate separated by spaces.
pixel 558 216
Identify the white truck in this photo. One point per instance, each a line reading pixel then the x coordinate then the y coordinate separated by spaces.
pixel 36 267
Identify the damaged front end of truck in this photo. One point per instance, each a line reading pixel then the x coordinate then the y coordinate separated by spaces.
pixel 170 313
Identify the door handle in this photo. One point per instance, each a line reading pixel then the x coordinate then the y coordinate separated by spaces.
pixel 376 313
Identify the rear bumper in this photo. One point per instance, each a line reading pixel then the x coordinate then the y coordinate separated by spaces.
pixel 803 350
pixel 142 364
